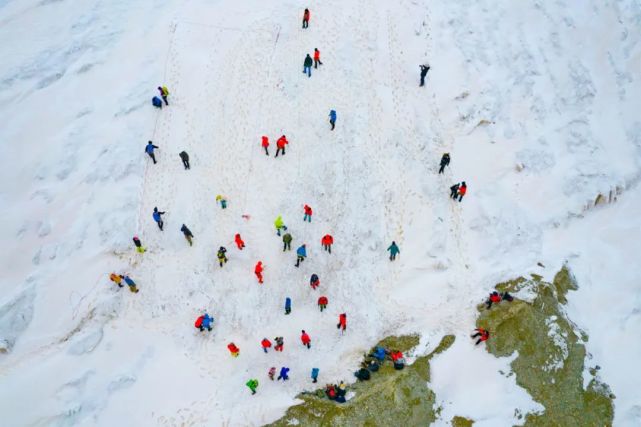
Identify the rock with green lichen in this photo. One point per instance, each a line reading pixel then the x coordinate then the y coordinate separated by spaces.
pixel 551 354
pixel 461 422
pixel 391 397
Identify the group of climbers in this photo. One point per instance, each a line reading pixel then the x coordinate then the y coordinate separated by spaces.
pixel 205 321
pixel 458 191
pixel 280 144
pixel 336 392
pixel 164 94
pixel 119 278
pixel 376 358
pixel 496 298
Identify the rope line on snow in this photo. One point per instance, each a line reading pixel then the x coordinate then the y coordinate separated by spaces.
pixel 144 186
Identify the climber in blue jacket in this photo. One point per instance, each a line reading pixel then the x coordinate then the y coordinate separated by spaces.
pixel 332 118
pixel 288 305
pixel 149 149
pixel 157 215
pixel 283 374
pixel 301 253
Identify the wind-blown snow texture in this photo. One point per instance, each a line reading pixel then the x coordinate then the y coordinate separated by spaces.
pixel 552 87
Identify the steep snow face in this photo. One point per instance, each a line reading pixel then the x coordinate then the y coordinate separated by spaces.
pixel 549 89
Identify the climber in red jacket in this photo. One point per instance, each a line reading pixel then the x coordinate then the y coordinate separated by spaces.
pixel 306 16
pixel 265 145
pixel 317 60
pixel 280 145
pixel 233 349
pixel 395 355
pixel 306 340
pixel 258 270
pixel 322 303
pixel 308 213
pixel 494 298
pixel 461 191
pixel 342 322
pixel 482 333
pixel 327 241
pixel 265 344
pixel 239 241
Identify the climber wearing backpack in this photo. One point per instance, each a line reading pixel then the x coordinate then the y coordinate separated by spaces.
pixel 139 247
pixel 314 281
pixel 164 92
pixel 301 254
pixel 265 144
pixel 223 201
pixel 306 18
pixel 233 349
pixel 222 256
pixel 322 303
pixel 280 342
pixel 204 322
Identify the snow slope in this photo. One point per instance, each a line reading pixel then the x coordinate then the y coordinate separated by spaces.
pixel 550 87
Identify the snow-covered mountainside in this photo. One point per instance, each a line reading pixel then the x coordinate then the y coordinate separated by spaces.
pixel 537 103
